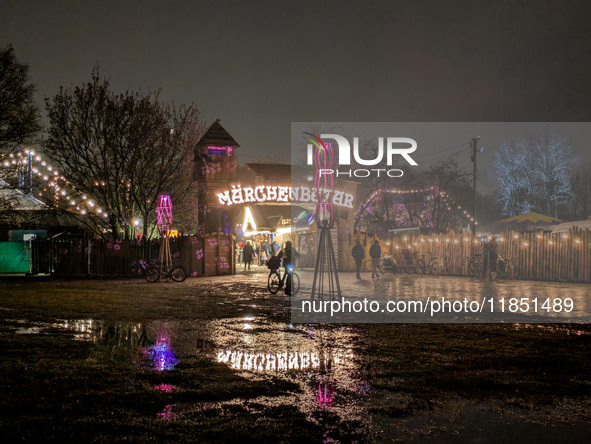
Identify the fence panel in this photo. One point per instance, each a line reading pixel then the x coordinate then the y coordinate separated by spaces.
pixel 535 255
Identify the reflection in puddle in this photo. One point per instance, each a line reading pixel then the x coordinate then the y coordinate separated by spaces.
pixel 168 415
pixel 83 329
pixel 325 393
pixel 319 360
pixel 283 361
pixel 162 354
pixel 166 388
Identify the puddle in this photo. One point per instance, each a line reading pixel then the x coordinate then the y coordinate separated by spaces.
pixel 326 364
pixel 81 329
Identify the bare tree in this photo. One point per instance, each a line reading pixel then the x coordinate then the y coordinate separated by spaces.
pixel 579 206
pixel 534 173
pixel 19 123
pixel 123 150
pixel 19 114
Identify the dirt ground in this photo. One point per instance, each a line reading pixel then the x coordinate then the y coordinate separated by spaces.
pixel 218 360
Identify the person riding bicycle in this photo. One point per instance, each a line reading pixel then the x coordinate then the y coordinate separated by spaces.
pixel 288 254
pixel 375 252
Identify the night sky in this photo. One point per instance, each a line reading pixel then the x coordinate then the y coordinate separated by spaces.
pixel 260 65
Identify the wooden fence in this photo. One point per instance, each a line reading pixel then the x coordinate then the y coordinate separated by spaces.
pixel 82 257
pixel 535 255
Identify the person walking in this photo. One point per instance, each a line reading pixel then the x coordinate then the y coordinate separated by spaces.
pixel 288 254
pixel 358 252
pixel 484 254
pixel 264 253
pixel 247 254
pixel 375 252
pixel 493 258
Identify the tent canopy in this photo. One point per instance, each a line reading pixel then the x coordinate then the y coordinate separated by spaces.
pixel 523 222
pixel 581 225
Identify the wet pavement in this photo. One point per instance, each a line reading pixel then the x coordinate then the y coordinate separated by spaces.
pixel 218 360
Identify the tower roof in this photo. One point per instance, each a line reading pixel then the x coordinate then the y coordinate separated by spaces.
pixel 216 135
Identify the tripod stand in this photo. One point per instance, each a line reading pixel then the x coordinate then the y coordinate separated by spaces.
pixel 326 274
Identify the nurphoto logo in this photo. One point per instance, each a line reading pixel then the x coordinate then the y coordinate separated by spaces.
pixel 393 148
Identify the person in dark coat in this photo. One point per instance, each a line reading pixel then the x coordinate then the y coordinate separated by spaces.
pixel 358 252
pixel 375 252
pixel 247 254
pixel 288 254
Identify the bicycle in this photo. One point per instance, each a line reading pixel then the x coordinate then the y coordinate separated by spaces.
pixel 387 263
pixel 155 272
pixel 433 266
pixel 475 266
pixel 275 281
pixel 139 268
pixel 380 267
pixel 412 263
pixel 506 268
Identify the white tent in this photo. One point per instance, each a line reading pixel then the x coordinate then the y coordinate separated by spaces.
pixel 580 224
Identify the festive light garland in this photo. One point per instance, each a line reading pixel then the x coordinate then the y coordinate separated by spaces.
pixel 53 178
pixel 444 195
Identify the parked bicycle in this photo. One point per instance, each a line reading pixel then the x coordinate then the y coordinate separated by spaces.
pixel 412 262
pixel 156 272
pixel 433 264
pixel 380 267
pixel 139 268
pixel 388 264
pixel 276 281
pixel 475 266
pixel 506 268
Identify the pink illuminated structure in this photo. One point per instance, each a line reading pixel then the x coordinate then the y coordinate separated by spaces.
pixel 164 220
pixel 325 393
pixel 326 275
pixel 164 214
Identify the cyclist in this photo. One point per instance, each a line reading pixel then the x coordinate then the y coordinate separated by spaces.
pixel 288 254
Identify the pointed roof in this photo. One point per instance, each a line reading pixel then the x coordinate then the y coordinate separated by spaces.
pixel 216 135
pixel 19 200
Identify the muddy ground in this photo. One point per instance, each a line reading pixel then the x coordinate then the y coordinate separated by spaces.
pixel 217 360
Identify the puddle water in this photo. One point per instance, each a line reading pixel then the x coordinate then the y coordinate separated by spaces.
pixel 326 364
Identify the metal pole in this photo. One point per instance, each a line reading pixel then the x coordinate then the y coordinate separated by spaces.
pixel 474 144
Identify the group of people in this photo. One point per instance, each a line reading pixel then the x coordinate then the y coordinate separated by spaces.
pixel 265 250
pixel 375 253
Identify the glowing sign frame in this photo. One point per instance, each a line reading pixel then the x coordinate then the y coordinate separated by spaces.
pixel 276 193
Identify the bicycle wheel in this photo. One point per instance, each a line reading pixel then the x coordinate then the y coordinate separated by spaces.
pixel 369 265
pixel 295 284
pixel 152 274
pixel 477 270
pixel 510 272
pixel 420 266
pixel 178 273
pixel 274 282
pixel 433 269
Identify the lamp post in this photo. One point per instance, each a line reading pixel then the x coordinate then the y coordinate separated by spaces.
pixel 135 223
pixel 475 141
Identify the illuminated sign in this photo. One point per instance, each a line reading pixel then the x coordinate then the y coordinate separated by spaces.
pixel 272 193
pixel 284 361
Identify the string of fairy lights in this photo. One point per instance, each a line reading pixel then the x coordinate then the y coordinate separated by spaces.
pixel 448 201
pixel 62 189
pixel 526 243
